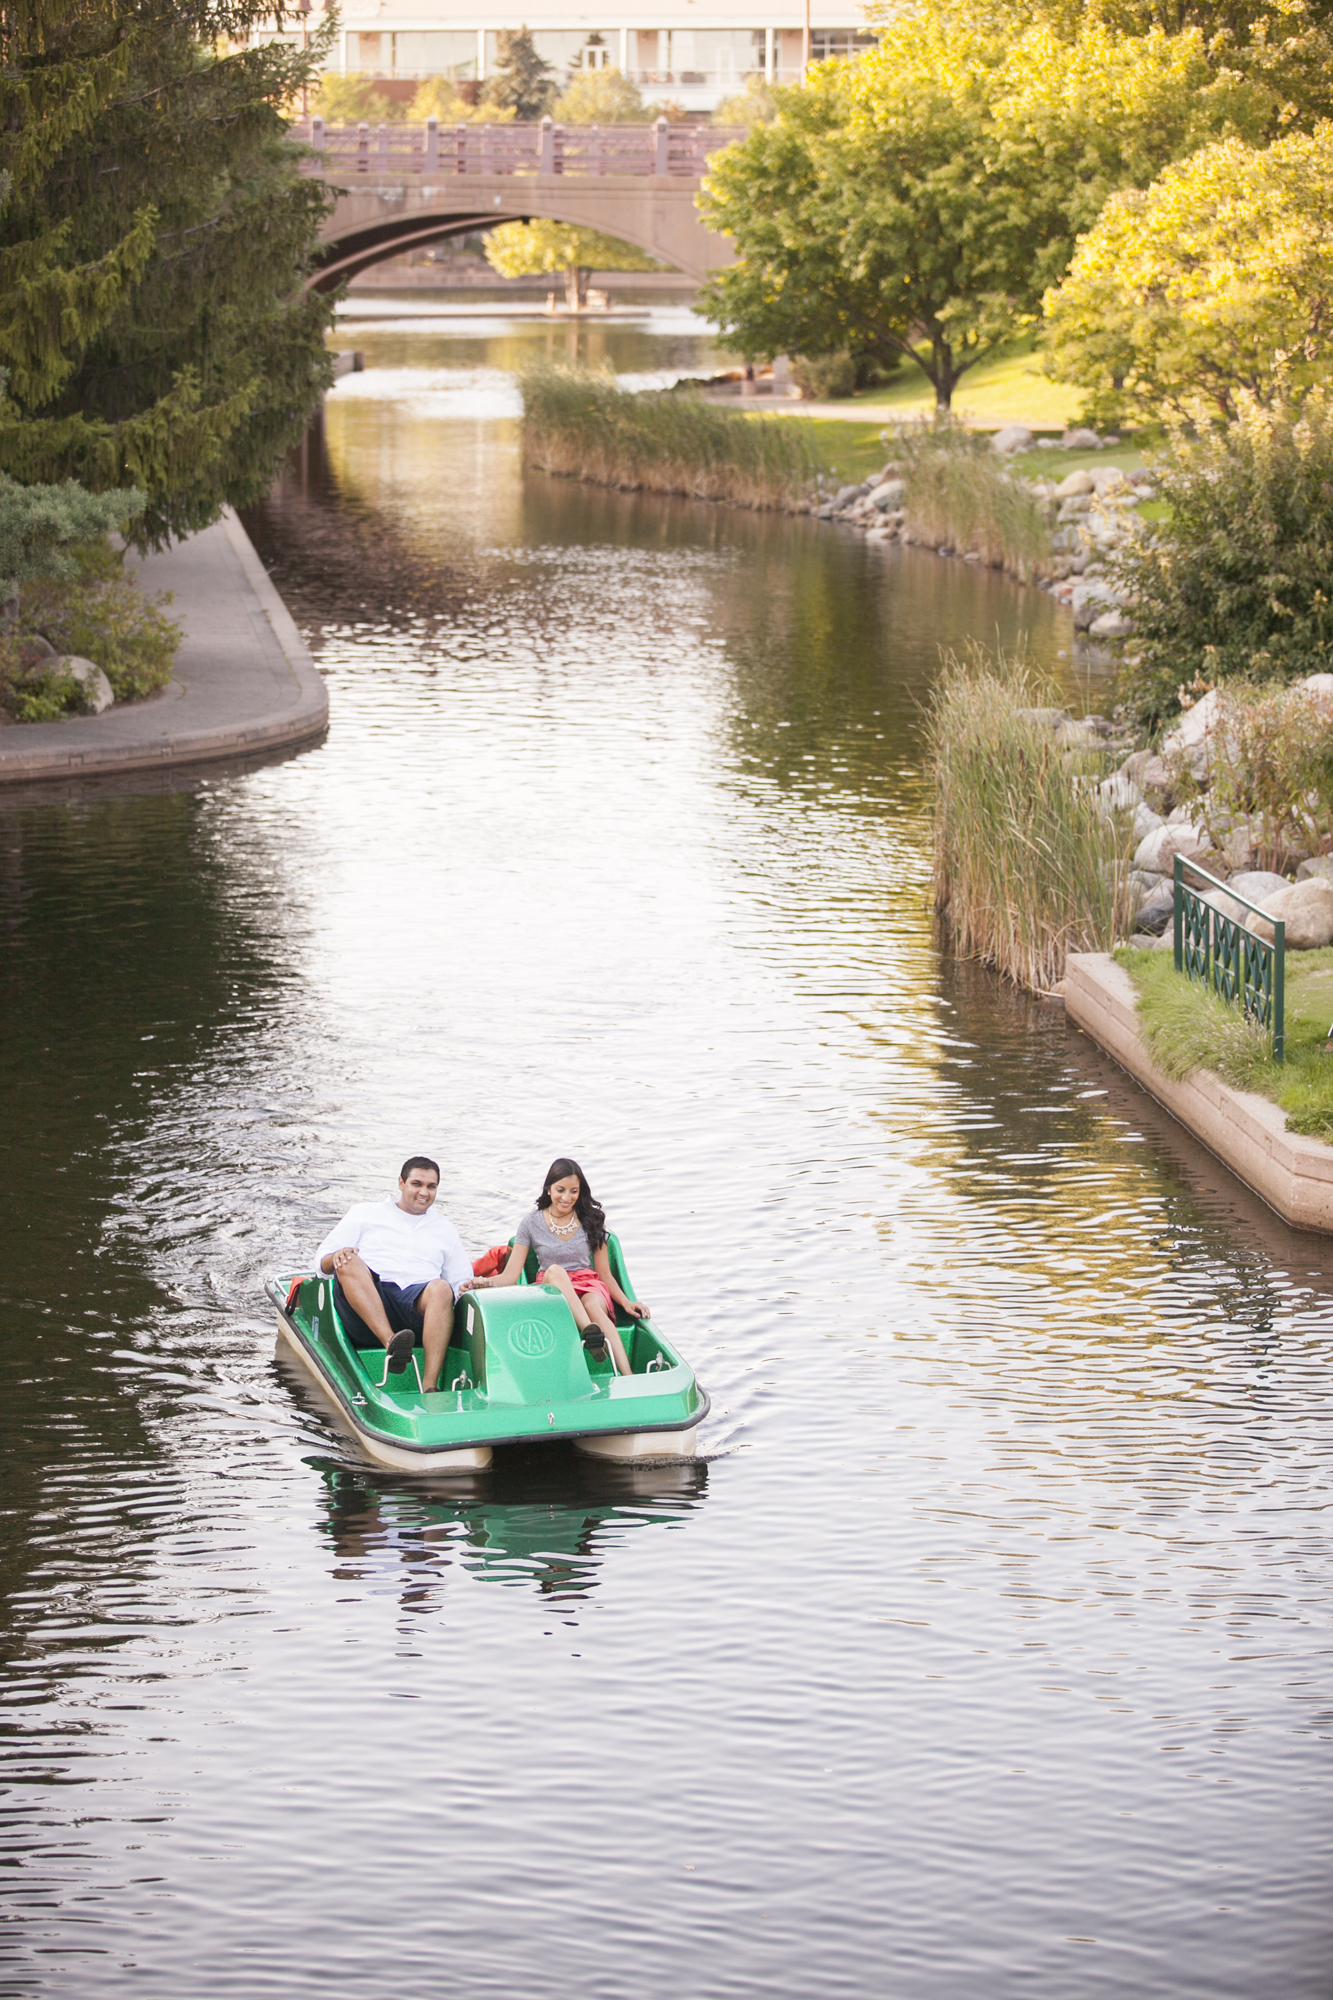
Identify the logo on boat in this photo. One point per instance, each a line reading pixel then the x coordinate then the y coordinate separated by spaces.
pixel 532 1338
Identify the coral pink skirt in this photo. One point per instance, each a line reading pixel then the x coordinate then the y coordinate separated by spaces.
pixel 584 1283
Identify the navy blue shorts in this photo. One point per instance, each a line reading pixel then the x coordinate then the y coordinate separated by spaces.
pixel 400 1307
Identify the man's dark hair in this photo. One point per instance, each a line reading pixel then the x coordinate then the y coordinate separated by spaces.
pixel 419 1160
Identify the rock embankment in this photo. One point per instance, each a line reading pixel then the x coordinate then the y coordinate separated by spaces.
pixel 1144 797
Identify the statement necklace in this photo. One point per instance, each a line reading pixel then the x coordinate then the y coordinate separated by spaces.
pixel 562 1228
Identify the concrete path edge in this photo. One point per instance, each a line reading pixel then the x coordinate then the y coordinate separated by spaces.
pixel 1248 1133
pixel 244 679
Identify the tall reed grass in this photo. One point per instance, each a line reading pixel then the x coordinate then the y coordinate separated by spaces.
pixel 1026 867
pixel 579 423
pixel 961 496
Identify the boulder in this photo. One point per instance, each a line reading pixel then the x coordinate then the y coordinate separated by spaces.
pixel 1107 478
pixel 1158 850
pixel 1320 684
pixel 1254 884
pixel 1081 440
pixel 1044 718
pixel 1146 821
pixel 35 654
pixel 1319 868
pixel 846 494
pixel 96 687
pixel 1013 437
pixel 1088 601
pixel 1111 625
pixel 1071 735
pixel 1193 726
pixel 1307 910
pixel 889 495
pixel 1075 507
pixel 1074 483
pixel 1154 915
pixel 1120 794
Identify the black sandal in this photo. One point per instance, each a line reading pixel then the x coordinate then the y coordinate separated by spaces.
pixel 399 1351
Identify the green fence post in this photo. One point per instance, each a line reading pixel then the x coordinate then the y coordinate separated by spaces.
pixel 1178 913
pixel 1279 988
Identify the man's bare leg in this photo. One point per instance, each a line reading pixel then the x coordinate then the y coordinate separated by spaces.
pixel 358 1284
pixel 436 1305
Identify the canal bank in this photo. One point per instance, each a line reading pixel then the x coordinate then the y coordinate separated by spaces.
pixel 243 683
pixel 1248 1133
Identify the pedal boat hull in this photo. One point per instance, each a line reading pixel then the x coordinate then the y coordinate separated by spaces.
pixel 517 1372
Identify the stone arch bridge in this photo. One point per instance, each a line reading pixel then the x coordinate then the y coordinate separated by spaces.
pixel 401 186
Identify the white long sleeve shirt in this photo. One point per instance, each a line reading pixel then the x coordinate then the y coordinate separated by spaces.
pixel 401 1248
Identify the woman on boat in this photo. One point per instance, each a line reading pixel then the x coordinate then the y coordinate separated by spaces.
pixel 567 1229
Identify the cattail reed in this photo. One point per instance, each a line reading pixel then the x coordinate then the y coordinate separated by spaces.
pixel 581 424
pixel 1025 865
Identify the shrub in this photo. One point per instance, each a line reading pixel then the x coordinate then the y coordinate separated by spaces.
pixel 1270 769
pixel 959 495
pixel 830 376
pixel 1025 865
pixel 354 100
pixel 601 97
pixel 580 423
pixel 1237 581
pixel 101 615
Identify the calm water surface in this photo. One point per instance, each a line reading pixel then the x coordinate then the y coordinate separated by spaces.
pixel 989 1650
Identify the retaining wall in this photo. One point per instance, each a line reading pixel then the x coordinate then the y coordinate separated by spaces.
pixel 1247 1133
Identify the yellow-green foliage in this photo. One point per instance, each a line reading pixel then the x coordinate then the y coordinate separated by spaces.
pixel 1271 764
pixel 525 249
pixel 1025 866
pixel 756 104
pixel 1213 280
pixel 438 97
pixel 579 423
pixel 100 614
pixel 354 100
pixel 1188 1028
pixel 601 97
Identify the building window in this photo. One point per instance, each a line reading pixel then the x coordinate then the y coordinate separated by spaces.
pixel 716 58
pixel 427 52
pixel 844 42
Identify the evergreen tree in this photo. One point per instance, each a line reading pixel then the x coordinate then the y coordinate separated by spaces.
pixel 523 82
pixel 155 233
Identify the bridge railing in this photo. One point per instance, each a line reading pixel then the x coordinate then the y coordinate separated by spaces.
pixel 545 148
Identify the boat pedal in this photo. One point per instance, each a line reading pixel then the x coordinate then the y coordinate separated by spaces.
pixel 659 1361
pixel 463 1381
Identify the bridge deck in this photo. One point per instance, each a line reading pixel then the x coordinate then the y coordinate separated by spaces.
pixel 661 151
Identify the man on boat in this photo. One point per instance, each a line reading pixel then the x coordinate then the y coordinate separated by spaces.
pixel 398 1267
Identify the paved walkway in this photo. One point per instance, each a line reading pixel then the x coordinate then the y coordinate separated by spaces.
pixel 244 681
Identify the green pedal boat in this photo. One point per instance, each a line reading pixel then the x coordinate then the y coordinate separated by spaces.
pixel 517 1371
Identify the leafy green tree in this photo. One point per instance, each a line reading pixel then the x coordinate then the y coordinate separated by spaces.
pixel 601 97
pixel 526 249
pixel 1235 582
pixel 1214 281
pixel 354 100
pixel 918 202
pixel 154 239
pixel 756 104
pixel 523 82
pixel 439 97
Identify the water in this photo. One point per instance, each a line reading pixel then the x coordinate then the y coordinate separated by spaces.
pixel 988 1649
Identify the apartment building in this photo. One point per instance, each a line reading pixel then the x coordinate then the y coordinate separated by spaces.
pixel 694 52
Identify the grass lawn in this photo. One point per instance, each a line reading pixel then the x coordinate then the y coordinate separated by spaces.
pixel 1188 1028
pixel 1010 388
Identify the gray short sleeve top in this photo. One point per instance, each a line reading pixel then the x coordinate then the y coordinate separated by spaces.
pixel 571 1252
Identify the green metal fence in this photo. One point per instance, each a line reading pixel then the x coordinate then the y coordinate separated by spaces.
pixel 1221 952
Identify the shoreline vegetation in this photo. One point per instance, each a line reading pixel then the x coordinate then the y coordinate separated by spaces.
pixel 579 424
pixel 943 488
pixel 1025 863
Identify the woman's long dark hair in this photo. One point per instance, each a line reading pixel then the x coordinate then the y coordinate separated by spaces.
pixel 589 1212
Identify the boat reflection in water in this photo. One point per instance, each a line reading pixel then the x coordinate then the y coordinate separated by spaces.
pixel 547 1519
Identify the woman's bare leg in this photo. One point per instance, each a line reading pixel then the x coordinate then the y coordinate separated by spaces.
pixel 606 1326
pixel 555 1275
